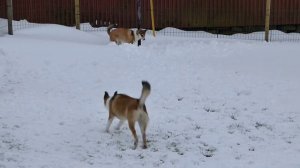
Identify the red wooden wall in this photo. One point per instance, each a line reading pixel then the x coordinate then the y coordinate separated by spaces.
pixel 190 14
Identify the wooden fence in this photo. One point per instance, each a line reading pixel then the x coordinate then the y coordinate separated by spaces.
pixel 219 17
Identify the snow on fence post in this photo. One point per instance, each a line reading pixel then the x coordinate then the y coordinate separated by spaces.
pixel 77 14
pixel 267 23
pixel 9 16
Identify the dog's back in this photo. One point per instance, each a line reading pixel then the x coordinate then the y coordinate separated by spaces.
pixel 120 35
pixel 123 106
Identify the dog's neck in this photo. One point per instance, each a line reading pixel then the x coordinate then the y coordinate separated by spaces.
pixel 136 36
pixel 107 103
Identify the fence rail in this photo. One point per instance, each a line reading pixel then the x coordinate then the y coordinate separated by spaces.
pixel 218 17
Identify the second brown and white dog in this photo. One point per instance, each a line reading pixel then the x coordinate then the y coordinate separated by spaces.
pixel 127 108
pixel 123 35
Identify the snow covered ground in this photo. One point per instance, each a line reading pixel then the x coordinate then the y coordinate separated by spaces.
pixel 214 102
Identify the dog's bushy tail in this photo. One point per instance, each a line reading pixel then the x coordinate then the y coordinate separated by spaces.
pixel 145 92
pixel 110 27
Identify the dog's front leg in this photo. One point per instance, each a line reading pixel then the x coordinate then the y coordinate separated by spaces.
pixel 110 120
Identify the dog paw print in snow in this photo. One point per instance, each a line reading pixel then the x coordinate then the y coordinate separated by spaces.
pixel 208 151
pixel 259 125
pixel 211 110
pixel 243 93
pixel 237 127
pixel 175 148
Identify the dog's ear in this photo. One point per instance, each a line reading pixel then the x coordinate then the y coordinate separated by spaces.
pixel 115 93
pixel 106 95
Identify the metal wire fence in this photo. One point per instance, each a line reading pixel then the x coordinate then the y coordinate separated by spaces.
pixel 3 22
pixel 237 19
pixel 285 21
pixel 3 27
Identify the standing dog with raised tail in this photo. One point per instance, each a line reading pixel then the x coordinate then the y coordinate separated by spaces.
pixel 123 35
pixel 127 108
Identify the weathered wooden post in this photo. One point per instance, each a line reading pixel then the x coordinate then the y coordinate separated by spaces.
pixel 267 23
pixel 9 8
pixel 77 14
pixel 152 18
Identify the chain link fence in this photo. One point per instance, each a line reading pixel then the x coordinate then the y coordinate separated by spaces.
pixel 285 20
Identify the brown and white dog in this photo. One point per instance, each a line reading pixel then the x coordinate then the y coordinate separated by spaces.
pixel 127 108
pixel 123 35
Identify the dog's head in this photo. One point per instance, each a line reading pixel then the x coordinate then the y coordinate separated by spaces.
pixel 107 98
pixel 141 33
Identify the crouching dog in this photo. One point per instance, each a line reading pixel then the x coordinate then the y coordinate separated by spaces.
pixel 124 35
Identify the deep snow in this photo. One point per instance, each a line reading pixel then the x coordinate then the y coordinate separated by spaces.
pixel 214 103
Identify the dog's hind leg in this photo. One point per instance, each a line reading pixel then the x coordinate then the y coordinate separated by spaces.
pixel 143 122
pixel 131 126
pixel 110 120
pixel 119 124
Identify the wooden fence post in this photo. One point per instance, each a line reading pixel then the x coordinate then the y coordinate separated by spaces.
pixel 9 8
pixel 152 18
pixel 77 14
pixel 267 23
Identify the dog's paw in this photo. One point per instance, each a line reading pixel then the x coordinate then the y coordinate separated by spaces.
pixel 144 147
pixel 135 145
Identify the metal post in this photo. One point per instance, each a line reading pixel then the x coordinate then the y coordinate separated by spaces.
pixel 9 7
pixel 267 23
pixel 139 17
pixel 77 14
